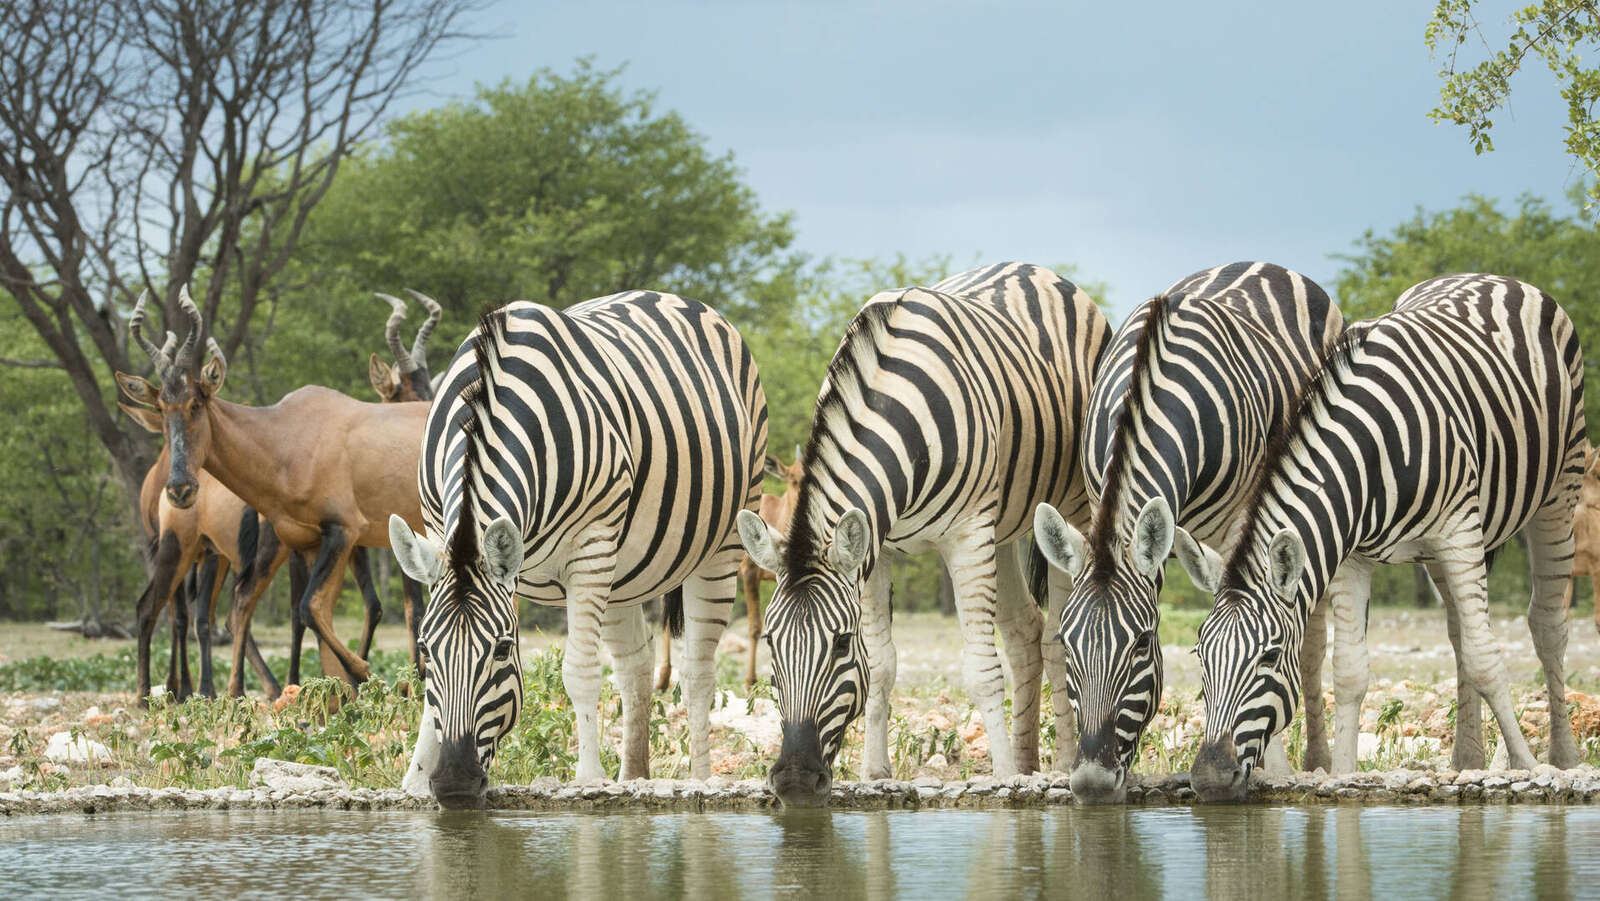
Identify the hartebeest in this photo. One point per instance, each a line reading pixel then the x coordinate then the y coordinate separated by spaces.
pixel 325 469
pixel 407 378
pixel 1586 532
pixel 775 511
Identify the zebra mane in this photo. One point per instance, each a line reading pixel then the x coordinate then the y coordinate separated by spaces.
pixel 851 367
pixel 476 423
pixel 1119 464
pixel 1281 439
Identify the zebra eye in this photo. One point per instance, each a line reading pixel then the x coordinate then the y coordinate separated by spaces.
pixel 502 651
pixel 1145 644
pixel 1269 657
pixel 841 643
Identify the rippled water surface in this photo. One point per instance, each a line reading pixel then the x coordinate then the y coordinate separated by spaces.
pixel 1123 853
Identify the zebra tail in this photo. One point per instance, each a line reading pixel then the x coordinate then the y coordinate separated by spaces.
pixel 672 611
pixel 1035 572
pixel 249 536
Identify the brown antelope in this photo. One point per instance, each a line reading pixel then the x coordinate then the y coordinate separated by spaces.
pixel 325 469
pixel 1586 532
pixel 775 510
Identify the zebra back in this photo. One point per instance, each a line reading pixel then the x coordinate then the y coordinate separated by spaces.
pixel 1226 353
pixel 640 413
pixel 944 401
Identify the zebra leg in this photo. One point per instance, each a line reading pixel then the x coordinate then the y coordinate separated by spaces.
pixel 1347 597
pixel 581 673
pixel 882 665
pixel 1467 579
pixel 1311 655
pixel 1467 752
pixel 627 637
pixel 424 757
pixel 1054 655
pixel 707 607
pixel 1020 623
pixel 971 560
pixel 750 575
pixel 1550 569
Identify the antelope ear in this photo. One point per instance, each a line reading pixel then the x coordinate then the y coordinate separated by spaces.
pixel 1287 554
pixel 774 469
pixel 212 373
pixel 1061 544
pixel 502 551
pixel 1203 564
pixel 379 374
pixel 850 537
pixel 760 540
pixel 139 390
pixel 147 418
pixel 418 556
pixel 1152 537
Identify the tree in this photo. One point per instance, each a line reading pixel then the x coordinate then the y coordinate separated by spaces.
pixel 555 190
pixel 1557 31
pixel 155 142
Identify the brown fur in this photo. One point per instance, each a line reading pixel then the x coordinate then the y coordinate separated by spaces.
pixel 1586 531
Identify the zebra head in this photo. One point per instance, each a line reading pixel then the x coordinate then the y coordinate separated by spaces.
pixel 1249 651
pixel 1108 628
pixel 819 662
pixel 469 648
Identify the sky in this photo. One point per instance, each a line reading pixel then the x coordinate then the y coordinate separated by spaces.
pixel 1138 145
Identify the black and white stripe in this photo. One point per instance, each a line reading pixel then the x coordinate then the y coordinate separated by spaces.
pixel 1194 383
pixel 591 458
pixel 1434 435
pixel 947 415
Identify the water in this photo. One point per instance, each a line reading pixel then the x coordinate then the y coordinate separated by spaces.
pixel 1121 853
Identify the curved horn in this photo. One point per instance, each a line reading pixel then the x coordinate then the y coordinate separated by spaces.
pixel 185 358
pixel 391 332
pixel 214 349
pixel 419 347
pixel 162 356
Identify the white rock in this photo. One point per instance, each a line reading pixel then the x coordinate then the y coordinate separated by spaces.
pixel 937 761
pixel 12 776
pixel 63 748
pixel 294 778
pixel 758 721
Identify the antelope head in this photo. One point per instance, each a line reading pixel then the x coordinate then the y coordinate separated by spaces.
pixel 178 397
pixel 407 379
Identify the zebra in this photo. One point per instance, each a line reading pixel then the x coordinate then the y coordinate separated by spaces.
pixel 946 414
pixel 1194 382
pixel 592 458
pixel 1433 435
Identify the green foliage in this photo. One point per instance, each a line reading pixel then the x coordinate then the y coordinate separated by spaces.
pixel 96 673
pixel 1559 32
pixel 555 190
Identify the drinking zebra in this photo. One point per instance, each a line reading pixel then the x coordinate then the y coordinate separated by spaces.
pixel 1194 383
pixel 592 458
pixel 1433 435
pixel 946 415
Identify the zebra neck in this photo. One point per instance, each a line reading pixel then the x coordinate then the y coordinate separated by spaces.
pixel 820 506
pixel 1297 500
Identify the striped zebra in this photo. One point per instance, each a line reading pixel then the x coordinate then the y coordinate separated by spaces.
pixel 591 458
pixel 1193 384
pixel 1433 435
pixel 946 415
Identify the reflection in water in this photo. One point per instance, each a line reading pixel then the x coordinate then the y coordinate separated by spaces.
pixel 1103 852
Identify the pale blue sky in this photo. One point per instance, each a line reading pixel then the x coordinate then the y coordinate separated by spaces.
pixel 1140 146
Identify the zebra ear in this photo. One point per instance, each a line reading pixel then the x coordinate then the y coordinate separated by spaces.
pixel 1203 564
pixel 418 557
pixel 850 537
pixel 760 540
pixel 1061 544
pixel 1287 555
pixel 502 551
pixel 1152 537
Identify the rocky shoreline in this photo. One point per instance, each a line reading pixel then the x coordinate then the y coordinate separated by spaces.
pixel 293 787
